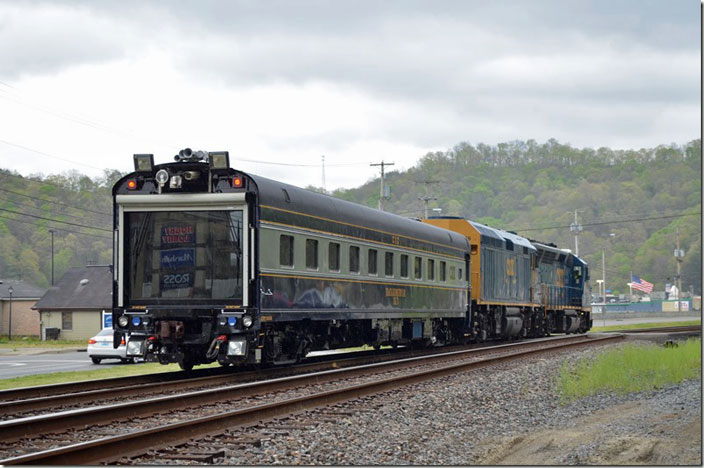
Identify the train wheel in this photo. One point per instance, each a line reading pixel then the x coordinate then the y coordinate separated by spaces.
pixel 186 364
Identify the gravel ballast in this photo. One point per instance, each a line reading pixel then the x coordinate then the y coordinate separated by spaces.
pixel 501 415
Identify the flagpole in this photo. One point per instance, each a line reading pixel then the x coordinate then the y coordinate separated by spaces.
pixel 630 287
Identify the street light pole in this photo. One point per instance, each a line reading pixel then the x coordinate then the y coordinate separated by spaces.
pixel 9 327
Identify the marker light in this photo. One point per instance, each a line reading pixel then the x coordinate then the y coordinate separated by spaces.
pixel 247 321
pixel 143 162
pixel 131 184
pixel 237 182
pixel 136 321
pixel 232 321
pixel 92 341
pixel 123 321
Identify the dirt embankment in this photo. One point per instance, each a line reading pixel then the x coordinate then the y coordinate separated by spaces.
pixel 672 438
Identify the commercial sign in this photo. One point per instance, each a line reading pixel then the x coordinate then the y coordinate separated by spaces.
pixel 178 234
pixel 177 258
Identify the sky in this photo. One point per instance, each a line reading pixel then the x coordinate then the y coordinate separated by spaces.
pixel 279 84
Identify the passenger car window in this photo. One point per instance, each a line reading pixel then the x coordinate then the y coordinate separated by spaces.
pixel 354 259
pixel 312 254
pixel 371 262
pixel 443 267
pixel 418 267
pixel 334 256
pixel 389 264
pixel 404 266
pixel 286 250
pixel 431 269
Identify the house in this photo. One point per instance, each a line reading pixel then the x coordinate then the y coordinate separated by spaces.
pixel 16 315
pixel 79 304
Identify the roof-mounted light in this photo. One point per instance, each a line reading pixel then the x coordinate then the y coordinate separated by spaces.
pixel 143 162
pixel 219 161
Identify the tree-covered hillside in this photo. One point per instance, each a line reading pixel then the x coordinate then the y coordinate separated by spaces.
pixel 630 203
pixel 77 208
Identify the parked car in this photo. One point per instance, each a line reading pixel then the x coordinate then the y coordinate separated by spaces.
pixel 100 347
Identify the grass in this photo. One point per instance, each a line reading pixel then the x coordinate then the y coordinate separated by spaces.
pixel 631 368
pixel 102 371
pixel 35 342
pixel 631 326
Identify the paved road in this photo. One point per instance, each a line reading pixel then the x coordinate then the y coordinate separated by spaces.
pixel 30 364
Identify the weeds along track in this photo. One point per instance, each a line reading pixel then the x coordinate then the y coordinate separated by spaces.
pixel 135 427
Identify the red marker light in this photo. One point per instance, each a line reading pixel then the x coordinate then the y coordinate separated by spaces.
pixel 237 182
pixel 131 184
pixel 92 341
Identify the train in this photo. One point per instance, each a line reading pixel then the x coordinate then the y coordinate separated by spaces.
pixel 215 264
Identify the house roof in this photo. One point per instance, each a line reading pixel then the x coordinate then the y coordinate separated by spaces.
pixel 80 288
pixel 20 290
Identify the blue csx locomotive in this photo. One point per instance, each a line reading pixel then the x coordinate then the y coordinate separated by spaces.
pixel 215 264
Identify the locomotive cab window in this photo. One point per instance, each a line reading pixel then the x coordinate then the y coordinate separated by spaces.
pixel 312 254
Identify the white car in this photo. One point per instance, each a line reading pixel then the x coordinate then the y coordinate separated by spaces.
pixel 100 347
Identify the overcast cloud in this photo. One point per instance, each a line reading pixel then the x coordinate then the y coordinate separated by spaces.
pixel 359 81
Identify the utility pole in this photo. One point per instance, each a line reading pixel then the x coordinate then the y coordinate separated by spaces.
pixel 381 192
pixel 52 256
pixel 679 255
pixel 426 198
pixel 576 228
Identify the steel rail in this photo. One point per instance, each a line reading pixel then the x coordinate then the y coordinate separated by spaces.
pixel 112 448
pixel 338 361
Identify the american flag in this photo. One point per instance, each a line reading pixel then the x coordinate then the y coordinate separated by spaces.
pixel 641 284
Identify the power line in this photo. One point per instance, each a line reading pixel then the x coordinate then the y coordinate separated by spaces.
pixel 55 220
pixel 48 155
pixel 56 202
pixel 15 202
pixel 58 229
pixel 606 222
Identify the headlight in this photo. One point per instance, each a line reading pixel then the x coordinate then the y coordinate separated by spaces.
pixel 123 321
pixel 162 177
pixel 247 321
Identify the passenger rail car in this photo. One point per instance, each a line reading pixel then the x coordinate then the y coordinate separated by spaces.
pixel 215 264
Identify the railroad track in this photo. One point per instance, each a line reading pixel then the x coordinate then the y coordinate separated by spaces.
pixel 246 404
pixel 30 401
